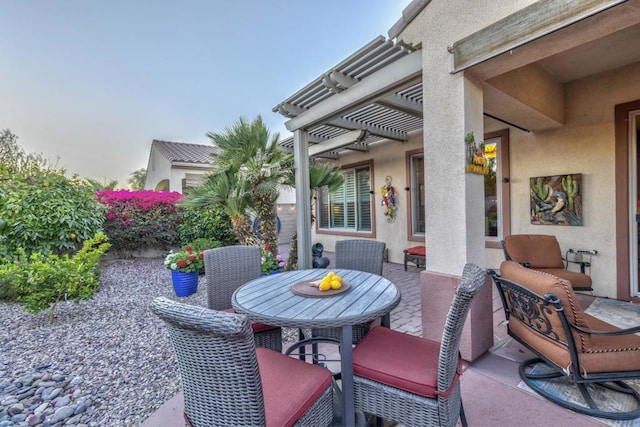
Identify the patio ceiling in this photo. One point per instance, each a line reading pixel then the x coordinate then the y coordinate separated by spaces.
pixel 374 94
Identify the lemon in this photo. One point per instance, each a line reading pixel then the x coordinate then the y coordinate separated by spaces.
pixel 324 286
pixel 336 284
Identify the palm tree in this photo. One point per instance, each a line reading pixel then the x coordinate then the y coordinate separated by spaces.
pixel 253 168
pixel 104 185
pixel 321 174
pixel 137 179
pixel 224 190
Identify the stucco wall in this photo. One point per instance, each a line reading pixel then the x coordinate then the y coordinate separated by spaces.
pixel 585 144
pixel 157 170
pixel 389 160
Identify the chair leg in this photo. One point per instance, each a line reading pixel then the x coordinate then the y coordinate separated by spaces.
pixel 591 409
pixel 463 418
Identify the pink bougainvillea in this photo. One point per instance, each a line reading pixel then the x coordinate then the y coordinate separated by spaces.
pixel 140 218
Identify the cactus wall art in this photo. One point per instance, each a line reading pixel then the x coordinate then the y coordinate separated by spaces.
pixel 556 200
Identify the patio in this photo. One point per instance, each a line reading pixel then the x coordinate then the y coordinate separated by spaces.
pixel 487 384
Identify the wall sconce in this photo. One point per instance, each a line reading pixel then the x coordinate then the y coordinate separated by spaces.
pixel 279 208
pixel 292 207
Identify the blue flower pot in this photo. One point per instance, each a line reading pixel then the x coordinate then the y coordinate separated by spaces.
pixel 184 284
pixel 271 272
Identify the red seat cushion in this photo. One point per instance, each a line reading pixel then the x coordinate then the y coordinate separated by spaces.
pixel 256 326
pixel 289 386
pixel 400 360
pixel 417 250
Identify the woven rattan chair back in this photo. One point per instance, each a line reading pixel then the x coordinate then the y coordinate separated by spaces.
pixel 226 269
pixel 218 364
pixel 473 278
pixel 361 255
pixel 407 408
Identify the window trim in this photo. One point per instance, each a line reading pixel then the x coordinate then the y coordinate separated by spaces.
pixel 505 187
pixel 410 235
pixel 343 232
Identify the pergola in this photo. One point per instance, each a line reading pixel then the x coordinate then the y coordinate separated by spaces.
pixel 375 94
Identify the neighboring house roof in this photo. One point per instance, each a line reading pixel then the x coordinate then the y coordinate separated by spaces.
pixel 184 152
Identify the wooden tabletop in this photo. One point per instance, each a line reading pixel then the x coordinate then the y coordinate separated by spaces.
pixel 270 300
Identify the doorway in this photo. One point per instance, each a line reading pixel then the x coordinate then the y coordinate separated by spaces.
pixel 634 201
pixel 627 188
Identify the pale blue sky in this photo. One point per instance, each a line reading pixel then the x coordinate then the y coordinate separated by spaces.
pixel 94 82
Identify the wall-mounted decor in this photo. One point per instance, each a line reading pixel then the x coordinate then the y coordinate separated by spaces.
pixel 389 199
pixel 556 200
pixel 476 157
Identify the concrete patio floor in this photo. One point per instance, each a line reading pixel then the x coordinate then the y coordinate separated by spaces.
pixel 489 386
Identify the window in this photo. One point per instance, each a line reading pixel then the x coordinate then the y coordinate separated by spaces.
pixel 417 211
pixel 349 207
pixel 496 188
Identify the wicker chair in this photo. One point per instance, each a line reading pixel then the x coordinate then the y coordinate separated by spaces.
pixel 544 314
pixel 412 380
pixel 227 381
pixel 226 269
pixel 361 255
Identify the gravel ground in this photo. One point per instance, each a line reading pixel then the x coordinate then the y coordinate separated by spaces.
pixel 114 342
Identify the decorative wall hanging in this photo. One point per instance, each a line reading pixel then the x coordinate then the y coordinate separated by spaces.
pixel 389 199
pixel 476 157
pixel 556 200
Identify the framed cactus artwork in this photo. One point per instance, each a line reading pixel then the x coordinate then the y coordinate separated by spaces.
pixel 556 200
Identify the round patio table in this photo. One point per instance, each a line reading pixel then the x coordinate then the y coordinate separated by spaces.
pixel 270 300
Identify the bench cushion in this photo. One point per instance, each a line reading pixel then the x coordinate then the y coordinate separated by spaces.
pixel 417 250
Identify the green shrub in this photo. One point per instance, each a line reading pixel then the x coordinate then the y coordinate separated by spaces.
pixel 203 244
pixel 45 212
pixel 141 218
pixel 213 224
pixel 41 281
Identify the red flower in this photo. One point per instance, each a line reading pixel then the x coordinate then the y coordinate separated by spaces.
pixel 201 255
pixel 267 247
pixel 182 263
pixel 192 258
pixel 189 249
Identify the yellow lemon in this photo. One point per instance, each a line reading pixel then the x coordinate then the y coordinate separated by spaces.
pixel 324 286
pixel 336 277
pixel 336 284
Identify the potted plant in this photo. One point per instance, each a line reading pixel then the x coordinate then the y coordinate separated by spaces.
pixel 185 266
pixel 271 264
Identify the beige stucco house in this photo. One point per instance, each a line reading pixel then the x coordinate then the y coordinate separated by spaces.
pixel 551 86
pixel 177 166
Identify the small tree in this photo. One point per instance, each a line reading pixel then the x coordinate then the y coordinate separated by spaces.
pixel 137 179
pixel 41 210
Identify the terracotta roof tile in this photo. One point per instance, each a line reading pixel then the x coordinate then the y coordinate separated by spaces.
pixel 184 152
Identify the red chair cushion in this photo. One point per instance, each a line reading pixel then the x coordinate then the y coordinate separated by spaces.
pixel 256 326
pixel 400 360
pixel 417 250
pixel 289 386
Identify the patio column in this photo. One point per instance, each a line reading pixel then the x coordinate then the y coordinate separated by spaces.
pixel 303 198
pixel 453 105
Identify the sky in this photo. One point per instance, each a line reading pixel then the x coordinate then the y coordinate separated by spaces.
pixel 90 84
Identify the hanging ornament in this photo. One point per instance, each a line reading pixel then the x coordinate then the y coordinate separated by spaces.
pixel 389 200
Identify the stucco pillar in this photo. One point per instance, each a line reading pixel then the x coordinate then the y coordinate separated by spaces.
pixel 455 202
pixel 303 198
